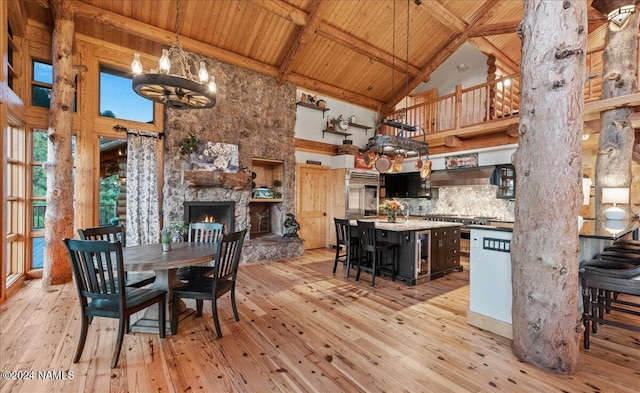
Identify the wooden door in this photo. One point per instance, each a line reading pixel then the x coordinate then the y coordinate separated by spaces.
pixel 311 194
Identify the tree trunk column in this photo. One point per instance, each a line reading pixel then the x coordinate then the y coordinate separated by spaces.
pixel 58 220
pixel 615 146
pixel 544 249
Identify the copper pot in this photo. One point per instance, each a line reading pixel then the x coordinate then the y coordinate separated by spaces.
pixel 425 172
pixel 418 163
pixel 397 164
pixel 383 164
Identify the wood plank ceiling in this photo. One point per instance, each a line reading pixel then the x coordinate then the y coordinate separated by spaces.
pixel 347 49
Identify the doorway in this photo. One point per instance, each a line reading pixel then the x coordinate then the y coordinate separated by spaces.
pixel 112 199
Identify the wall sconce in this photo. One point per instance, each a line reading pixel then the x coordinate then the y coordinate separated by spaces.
pixel 616 11
pixel 615 196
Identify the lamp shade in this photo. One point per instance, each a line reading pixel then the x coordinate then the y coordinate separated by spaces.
pixel 615 195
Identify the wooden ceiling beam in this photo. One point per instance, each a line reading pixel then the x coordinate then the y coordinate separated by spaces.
pixel 483 13
pixel 443 14
pixel 502 60
pixel 498 139
pixel 334 91
pixel 166 37
pixel 299 18
pixel 283 10
pixel 496 29
pixel 304 36
pixel 364 48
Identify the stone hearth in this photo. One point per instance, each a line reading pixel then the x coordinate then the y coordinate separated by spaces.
pixel 258 116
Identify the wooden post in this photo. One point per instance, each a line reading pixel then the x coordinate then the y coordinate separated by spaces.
pixel 458 107
pixel 615 146
pixel 544 249
pixel 58 220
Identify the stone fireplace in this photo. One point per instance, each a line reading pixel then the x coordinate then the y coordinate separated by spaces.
pixel 258 116
pixel 209 211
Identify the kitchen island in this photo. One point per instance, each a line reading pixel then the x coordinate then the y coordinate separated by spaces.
pixel 426 249
pixel 490 291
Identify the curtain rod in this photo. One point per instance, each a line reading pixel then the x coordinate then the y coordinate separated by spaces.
pixel 150 134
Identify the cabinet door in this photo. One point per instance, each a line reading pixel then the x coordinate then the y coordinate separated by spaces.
pixel 438 254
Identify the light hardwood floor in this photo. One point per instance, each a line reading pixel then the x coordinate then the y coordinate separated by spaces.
pixel 301 329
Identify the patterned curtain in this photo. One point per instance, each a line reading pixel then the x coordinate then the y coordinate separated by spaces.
pixel 143 210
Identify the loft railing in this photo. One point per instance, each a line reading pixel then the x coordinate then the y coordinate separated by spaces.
pixel 490 101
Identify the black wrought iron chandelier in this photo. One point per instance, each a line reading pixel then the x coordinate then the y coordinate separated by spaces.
pixel 182 90
pixel 400 144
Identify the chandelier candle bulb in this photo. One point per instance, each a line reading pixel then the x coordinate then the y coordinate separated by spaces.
pixel 202 73
pixel 136 65
pixel 165 63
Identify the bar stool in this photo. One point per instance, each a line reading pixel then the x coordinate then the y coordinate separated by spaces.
pixel 597 281
pixel 371 250
pixel 345 239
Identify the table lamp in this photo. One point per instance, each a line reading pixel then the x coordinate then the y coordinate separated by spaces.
pixel 615 196
pixel 613 226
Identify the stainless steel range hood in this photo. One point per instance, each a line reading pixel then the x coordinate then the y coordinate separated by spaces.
pixel 479 176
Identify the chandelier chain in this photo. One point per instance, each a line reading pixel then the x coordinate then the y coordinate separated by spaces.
pixel 176 51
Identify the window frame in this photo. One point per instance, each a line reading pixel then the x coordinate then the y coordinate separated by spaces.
pixel 115 71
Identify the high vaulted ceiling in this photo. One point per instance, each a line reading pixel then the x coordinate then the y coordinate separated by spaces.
pixel 354 50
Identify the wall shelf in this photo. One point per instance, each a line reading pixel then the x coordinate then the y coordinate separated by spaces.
pixel 365 128
pixel 312 106
pixel 345 134
pixel 265 200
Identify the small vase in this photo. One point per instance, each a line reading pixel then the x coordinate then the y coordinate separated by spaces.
pixel 391 218
pixel 166 247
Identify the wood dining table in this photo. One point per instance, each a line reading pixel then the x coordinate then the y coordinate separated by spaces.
pixel 165 264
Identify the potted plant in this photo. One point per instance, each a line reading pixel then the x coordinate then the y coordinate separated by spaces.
pixel 178 230
pixel 188 145
pixel 165 239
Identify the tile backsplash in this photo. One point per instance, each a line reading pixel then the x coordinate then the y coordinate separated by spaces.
pixel 463 200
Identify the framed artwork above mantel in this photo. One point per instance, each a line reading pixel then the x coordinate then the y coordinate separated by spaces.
pixel 214 156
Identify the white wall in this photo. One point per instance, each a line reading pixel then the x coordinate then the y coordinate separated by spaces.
pixel 310 122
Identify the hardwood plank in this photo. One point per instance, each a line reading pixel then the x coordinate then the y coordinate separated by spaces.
pixel 302 329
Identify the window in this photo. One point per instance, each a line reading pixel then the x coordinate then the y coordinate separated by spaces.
pixel 10 58
pixel 15 189
pixel 118 100
pixel 41 84
pixel 39 194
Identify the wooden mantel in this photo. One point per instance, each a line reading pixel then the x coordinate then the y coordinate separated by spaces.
pixel 205 178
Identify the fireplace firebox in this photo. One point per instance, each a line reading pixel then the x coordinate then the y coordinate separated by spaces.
pixel 221 212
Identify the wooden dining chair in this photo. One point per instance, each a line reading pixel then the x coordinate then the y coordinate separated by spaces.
pixel 113 233
pixel 206 232
pixel 211 288
pixel 97 265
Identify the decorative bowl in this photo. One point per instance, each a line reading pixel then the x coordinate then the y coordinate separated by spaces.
pixel 263 193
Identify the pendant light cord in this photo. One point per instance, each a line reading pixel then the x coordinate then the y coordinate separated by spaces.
pixel 406 77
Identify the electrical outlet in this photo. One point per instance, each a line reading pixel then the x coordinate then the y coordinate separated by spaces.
pixel 419 207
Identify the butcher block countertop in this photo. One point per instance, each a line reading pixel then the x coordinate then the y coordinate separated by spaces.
pixel 411 225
